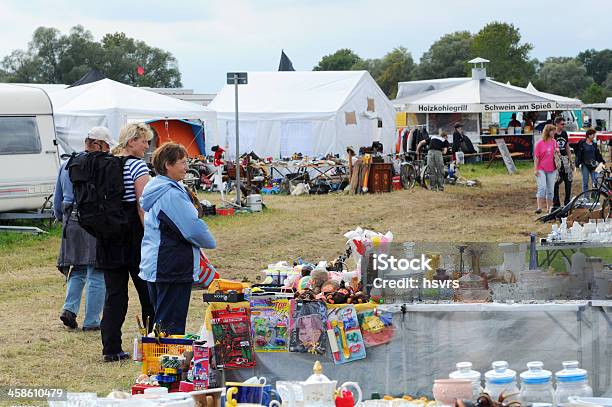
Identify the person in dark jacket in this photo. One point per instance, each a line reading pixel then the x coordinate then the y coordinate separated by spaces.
pixel 588 158
pixel 438 146
pixel 120 258
pixel 77 256
pixel 462 143
pixel 173 236
pixel 565 174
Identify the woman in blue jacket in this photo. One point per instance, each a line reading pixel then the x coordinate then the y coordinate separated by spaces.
pixel 173 236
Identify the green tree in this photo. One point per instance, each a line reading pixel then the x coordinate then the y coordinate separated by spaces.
pixel 373 66
pixel 608 82
pixel 597 63
pixel 80 53
pixel 396 66
pixel 20 66
pixel 563 76
pixel 447 57
pixel 342 60
pixel 501 44
pixel 594 94
pixel 123 55
pixel 55 58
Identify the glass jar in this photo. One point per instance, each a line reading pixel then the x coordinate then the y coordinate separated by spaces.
pixel 464 371
pixel 501 380
pixel 536 386
pixel 572 382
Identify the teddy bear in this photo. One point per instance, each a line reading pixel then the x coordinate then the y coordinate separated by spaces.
pixel 318 277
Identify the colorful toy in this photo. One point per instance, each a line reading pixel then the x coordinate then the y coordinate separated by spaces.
pixel 346 333
pixel 269 321
pixel 201 365
pixel 232 334
pixel 376 327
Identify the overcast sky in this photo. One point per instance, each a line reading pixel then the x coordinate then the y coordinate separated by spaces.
pixel 210 38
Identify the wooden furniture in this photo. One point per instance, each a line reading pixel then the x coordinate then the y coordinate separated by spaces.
pixel 495 153
pixel 380 179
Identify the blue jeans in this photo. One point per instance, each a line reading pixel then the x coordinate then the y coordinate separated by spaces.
pixel 586 174
pixel 546 183
pixel 94 296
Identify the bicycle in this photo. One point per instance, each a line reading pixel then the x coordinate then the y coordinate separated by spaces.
pixel 416 171
pixel 592 200
pixel 413 171
pixel 597 199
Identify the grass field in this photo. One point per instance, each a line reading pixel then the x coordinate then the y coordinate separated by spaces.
pixel 37 350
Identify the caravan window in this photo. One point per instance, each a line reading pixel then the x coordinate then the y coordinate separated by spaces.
pixel 19 135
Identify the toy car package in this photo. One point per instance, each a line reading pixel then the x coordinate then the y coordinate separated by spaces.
pixel 232 335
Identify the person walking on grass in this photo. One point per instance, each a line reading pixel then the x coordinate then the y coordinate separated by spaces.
pixel 545 169
pixel 77 254
pixel 566 170
pixel 120 258
pixel 588 158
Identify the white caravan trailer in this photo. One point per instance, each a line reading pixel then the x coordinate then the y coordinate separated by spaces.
pixel 29 158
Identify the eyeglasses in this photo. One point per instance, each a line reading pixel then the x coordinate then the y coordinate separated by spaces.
pixel 562 124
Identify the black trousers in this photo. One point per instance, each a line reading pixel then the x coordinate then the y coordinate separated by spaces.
pixel 171 302
pixel 563 178
pixel 116 305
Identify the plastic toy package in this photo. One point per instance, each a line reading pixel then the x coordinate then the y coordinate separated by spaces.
pixel 344 334
pixel 270 324
pixel 376 327
pixel 307 327
pixel 232 335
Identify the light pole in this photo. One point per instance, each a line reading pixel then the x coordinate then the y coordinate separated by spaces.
pixel 237 78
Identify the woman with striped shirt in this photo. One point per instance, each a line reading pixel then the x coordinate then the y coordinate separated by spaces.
pixel 121 258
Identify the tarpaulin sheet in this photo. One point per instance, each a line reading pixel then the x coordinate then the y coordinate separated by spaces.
pixel 431 338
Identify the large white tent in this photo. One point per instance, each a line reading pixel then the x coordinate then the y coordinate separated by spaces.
pixel 477 94
pixel 313 113
pixel 112 104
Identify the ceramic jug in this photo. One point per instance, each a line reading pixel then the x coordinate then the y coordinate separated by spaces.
pixel 317 390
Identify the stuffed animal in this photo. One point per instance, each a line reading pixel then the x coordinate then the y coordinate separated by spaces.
pixel 339 297
pixel 359 297
pixel 318 277
pixel 330 286
pixel 306 295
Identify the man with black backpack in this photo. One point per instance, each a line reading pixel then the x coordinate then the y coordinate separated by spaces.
pixel 77 255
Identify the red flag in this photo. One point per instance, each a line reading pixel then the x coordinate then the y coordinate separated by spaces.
pixel 140 70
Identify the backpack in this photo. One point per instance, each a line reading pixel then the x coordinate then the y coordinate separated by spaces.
pixel 97 180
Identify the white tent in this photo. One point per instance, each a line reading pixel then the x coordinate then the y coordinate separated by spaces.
pixel 314 113
pixel 477 94
pixel 112 104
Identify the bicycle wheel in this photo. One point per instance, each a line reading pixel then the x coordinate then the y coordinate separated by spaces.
pixel 606 210
pixel 408 176
pixel 425 177
pixel 589 204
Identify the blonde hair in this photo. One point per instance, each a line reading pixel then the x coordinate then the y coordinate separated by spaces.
pixel 546 133
pixel 132 131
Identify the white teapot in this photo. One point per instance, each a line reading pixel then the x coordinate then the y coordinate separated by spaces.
pixel 319 391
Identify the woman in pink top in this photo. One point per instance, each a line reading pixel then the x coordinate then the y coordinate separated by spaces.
pixel 545 169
